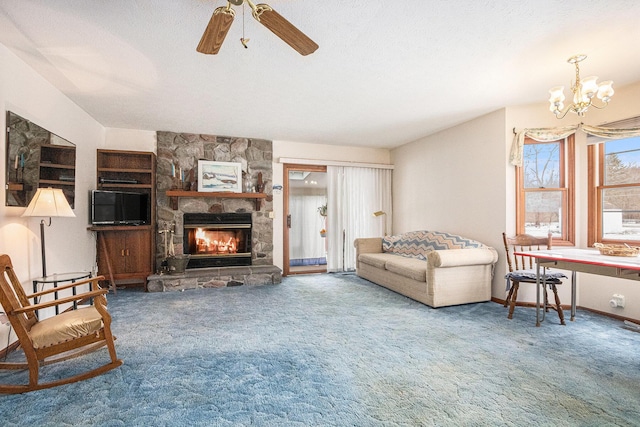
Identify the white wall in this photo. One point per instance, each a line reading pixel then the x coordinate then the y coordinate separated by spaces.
pixel 70 247
pixel 316 152
pixel 130 139
pixel 454 181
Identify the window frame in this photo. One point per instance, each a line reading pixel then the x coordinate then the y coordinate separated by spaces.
pixel 567 188
pixel 596 165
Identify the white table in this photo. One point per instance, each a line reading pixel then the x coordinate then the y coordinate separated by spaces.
pixel 584 261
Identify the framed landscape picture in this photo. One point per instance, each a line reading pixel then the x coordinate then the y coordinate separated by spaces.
pixel 219 176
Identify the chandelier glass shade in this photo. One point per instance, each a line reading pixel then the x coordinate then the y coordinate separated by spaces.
pixel 584 91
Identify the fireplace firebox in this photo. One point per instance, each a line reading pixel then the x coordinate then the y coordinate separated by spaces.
pixel 217 240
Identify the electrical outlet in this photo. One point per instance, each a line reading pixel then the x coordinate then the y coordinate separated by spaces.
pixel 617 301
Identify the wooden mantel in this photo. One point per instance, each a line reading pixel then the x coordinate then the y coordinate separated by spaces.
pixel 174 196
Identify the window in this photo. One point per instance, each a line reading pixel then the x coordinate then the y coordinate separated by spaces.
pixel 545 182
pixel 614 202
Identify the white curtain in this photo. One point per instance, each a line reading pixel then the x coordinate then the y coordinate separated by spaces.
pixel 354 194
pixel 305 241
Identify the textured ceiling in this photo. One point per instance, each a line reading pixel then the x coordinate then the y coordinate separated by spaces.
pixel 386 73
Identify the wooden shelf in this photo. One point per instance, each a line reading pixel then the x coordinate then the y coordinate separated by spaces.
pixel 174 195
pixel 56 182
pixel 124 170
pixel 119 227
pixel 57 166
pixel 121 186
pixel 57 169
pixel 15 186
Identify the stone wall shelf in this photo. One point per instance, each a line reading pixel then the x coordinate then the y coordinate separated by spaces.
pixel 174 196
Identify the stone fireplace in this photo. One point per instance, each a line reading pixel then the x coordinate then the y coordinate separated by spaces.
pixel 214 264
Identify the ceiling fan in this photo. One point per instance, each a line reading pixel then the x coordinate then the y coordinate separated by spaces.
pixel 222 19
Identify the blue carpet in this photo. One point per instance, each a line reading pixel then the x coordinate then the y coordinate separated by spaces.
pixel 336 350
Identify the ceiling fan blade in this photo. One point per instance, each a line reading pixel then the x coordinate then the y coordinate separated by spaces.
pixel 216 30
pixel 284 29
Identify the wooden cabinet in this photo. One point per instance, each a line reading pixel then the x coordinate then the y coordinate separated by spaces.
pixel 57 169
pixel 126 253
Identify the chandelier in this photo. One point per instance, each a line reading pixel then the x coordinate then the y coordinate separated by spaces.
pixel 584 90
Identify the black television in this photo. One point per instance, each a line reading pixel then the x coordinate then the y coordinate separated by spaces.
pixel 119 208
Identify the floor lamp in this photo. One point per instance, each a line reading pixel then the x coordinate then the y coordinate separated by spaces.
pixel 48 202
pixel 381 213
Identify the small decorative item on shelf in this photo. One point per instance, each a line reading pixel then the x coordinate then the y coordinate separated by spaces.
pixel 617 250
pixel 176 177
pixel 248 185
pixel 323 233
pixel 260 184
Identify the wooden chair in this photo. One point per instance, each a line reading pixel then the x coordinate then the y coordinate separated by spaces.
pixel 521 270
pixel 61 337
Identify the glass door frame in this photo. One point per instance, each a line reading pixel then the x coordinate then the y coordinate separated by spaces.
pixel 288 167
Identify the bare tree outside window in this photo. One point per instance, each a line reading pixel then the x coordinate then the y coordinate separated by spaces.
pixel 620 190
pixel 544 198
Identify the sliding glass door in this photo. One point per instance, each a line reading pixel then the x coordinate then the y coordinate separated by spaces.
pixel 305 245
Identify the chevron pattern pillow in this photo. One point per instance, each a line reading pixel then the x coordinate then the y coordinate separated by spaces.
pixel 416 244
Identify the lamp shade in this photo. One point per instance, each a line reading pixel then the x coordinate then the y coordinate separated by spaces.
pixel 49 202
pixel 590 86
pixel 605 90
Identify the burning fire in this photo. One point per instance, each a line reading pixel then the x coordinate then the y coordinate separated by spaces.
pixel 214 242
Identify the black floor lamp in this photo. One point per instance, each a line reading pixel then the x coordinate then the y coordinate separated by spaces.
pixel 48 202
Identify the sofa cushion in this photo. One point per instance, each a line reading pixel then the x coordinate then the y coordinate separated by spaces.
pixel 412 268
pixel 377 260
pixel 416 244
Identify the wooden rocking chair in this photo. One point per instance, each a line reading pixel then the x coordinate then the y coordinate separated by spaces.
pixel 61 337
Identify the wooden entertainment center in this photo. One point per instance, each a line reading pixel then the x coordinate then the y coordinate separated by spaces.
pixel 126 252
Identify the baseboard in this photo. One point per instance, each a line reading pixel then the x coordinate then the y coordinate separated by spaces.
pixel 566 307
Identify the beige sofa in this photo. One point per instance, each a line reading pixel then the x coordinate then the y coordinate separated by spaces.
pixel 435 268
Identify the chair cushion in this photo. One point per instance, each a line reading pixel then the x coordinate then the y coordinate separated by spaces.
pixel 529 276
pixel 65 326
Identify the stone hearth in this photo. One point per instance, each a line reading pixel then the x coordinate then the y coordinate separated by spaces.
pixel 217 277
